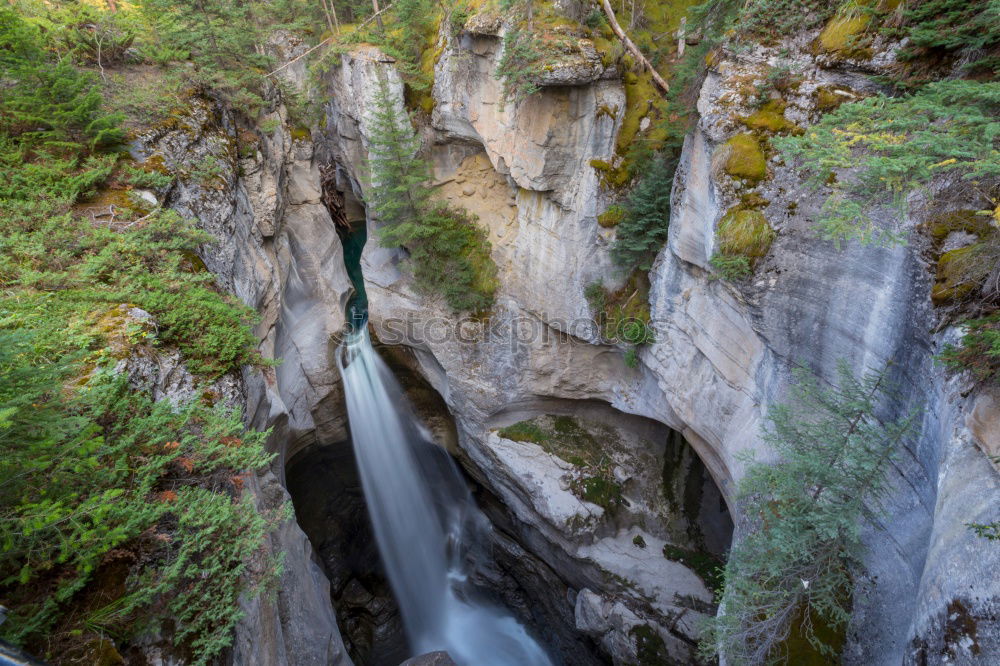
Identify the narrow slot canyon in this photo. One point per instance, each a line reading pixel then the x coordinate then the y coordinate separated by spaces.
pixel 628 519
pixel 500 333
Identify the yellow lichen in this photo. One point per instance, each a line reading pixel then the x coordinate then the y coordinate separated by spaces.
pixel 745 158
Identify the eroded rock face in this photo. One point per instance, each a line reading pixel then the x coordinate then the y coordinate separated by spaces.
pixel 722 354
pixel 532 165
pixel 278 252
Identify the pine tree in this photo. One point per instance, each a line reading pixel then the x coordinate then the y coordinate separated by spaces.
pixel 643 231
pixel 800 518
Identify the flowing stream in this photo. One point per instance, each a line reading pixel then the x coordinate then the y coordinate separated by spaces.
pixel 426 523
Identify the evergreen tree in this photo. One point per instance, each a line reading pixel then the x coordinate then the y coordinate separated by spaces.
pixel 449 251
pixel 45 103
pixel 399 178
pixel 800 519
pixel 643 231
pixel 223 39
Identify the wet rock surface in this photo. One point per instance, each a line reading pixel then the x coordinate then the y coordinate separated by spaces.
pixel 330 508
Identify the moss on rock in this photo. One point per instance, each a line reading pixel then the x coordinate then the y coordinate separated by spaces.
pixel 829 98
pixel 771 118
pixel 959 273
pixel 745 233
pixel 842 36
pixel 612 216
pixel 745 158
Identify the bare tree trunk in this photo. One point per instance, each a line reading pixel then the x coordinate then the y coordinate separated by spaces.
pixel 631 47
pixel 682 37
pixel 378 17
pixel 331 17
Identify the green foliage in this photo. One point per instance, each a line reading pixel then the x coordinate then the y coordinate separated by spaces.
pixel 449 251
pixel 979 350
pixel 145 178
pixel 222 38
pixel 524 431
pixel 708 567
pixel 643 229
pixel 93 474
pixel 631 358
pixel 801 517
pixel 585 448
pixel 968 28
pixel 66 259
pixel 595 19
pixel 48 104
pixel 883 145
pixel 990 531
pixel 768 18
pixel 732 268
pixel 520 65
pixel 622 315
pixel 99 468
pixel 742 239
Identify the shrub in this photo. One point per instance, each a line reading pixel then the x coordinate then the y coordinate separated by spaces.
pixel 731 268
pixel 449 251
pixel 153 485
pixel 623 315
pixel 969 28
pixel 49 104
pixel 767 18
pixel 979 350
pixel 519 66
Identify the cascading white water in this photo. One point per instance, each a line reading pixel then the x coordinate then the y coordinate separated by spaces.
pixel 424 519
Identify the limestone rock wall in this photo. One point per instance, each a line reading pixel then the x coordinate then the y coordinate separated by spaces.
pixel 722 355
pixel 278 252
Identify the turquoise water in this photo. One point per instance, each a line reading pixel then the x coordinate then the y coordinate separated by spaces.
pixel 357 307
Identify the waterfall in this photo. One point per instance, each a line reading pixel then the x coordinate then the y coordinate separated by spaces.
pixel 425 522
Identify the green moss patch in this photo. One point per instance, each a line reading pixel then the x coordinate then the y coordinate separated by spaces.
pixel 969 221
pixel 612 216
pixel 649 646
pixel 745 158
pixel 586 447
pixel 744 233
pixel 842 35
pixel 959 273
pixel 771 118
pixel 707 566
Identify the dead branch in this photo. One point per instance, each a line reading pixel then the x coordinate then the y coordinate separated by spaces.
pixel 632 48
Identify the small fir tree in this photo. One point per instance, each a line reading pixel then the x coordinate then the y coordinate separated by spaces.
pixel 643 231
pixel 800 520
pixel 449 251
